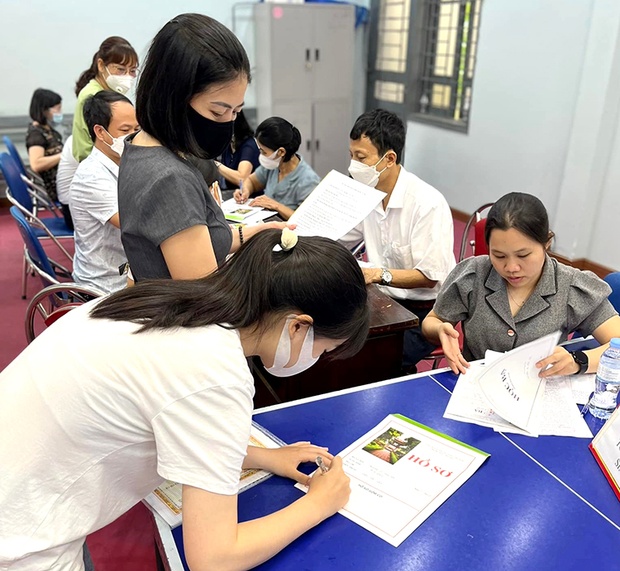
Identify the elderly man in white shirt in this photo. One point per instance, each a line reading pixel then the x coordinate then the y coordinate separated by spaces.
pixel 409 236
pixel 93 196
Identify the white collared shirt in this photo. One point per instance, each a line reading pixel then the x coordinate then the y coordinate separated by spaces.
pixel 66 170
pixel 415 232
pixel 93 201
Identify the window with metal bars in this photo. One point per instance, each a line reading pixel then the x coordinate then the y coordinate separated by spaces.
pixel 422 59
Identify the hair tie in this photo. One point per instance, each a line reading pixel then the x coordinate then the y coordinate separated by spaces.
pixel 287 241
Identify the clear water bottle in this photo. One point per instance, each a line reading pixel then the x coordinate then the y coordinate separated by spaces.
pixel 605 397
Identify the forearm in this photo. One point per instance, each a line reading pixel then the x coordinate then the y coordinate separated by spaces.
pixel 594 357
pixel 406 279
pixel 259 539
pixel 248 232
pixel 42 164
pixel 231 175
pixel 284 211
pixel 430 328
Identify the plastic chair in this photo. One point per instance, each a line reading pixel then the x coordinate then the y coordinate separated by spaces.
pixel 52 302
pixel 478 245
pixel 613 279
pixel 35 257
pixel 28 173
pixel 50 228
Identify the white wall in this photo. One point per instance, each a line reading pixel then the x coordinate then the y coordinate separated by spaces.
pixel 51 43
pixel 543 120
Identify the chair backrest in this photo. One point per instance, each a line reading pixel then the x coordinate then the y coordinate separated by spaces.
pixel 477 221
pixel 17 187
pixel 16 157
pixel 613 280
pixel 36 254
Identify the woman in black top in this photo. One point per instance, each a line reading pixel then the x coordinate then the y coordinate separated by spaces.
pixel 43 142
pixel 190 91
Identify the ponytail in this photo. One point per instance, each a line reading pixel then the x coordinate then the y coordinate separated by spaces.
pixel 317 276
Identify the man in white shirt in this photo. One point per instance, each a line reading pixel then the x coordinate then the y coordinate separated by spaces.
pixel 409 237
pixel 64 175
pixel 93 196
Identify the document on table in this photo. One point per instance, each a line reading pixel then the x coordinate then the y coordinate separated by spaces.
pixel 506 394
pixel 606 450
pixel 336 206
pixel 166 499
pixel 401 472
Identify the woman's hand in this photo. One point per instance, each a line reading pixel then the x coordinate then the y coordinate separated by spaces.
pixel 449 338
pixel 285 460
pixel 265 202
pixel 330 489
pixel 241 195
pixel 560 362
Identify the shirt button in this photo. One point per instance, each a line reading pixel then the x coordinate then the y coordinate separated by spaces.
pixel 511 333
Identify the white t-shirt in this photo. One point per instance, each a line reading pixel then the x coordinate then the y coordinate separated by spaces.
pixel 91 425
pixel 415 232
pixel 93 201
pixel 66 169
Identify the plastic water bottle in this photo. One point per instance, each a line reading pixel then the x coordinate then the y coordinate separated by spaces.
pixel 605 397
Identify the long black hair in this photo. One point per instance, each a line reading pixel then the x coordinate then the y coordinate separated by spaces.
pixel 191 53
pixel 318 277
pixel 523 212
pixel 112 50
pixel 42 100
pixel 242 129
pixel 276 132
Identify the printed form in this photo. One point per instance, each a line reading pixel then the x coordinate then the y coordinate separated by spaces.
pixel 401 472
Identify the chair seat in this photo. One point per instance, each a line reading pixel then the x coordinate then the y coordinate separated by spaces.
pixel 57 226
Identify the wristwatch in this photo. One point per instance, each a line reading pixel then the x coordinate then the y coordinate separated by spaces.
pixel 386 277
pixel 582 361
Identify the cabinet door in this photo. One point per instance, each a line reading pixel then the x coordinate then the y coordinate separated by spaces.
pixel 299 113
pixel 291 51
pixel 332 125
pixel 332 54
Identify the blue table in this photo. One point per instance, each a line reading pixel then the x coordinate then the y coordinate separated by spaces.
pixel 536 503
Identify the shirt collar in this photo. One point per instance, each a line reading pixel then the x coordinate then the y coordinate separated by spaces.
pixel 397 198
pixel 106 161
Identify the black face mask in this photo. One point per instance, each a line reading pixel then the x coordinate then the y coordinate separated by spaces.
pixel 211 136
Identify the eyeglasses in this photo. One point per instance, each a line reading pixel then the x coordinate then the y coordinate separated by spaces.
pixel 122 70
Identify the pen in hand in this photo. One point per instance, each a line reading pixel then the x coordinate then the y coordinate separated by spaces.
pixel 321 464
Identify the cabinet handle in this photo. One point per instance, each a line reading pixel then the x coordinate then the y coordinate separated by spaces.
pixel 316 54
pixel 308 145
pixel 307 54
pixel 317 145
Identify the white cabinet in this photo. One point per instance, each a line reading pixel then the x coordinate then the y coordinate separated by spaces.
pixel 304 73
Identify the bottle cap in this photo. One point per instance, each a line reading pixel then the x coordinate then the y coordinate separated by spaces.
pixel 615 343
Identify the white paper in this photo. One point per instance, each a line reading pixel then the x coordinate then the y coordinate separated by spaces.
pixel 235 212
pixel 336 206
pixel 166 499
pixel 512 384
pixel 606 445
pixel 551 409
pixel 398 481
pixel 582 387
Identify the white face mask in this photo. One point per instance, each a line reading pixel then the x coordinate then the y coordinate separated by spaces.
pixel 364 173
pixel 270 162
pixel 283 354
pixel 118 143
pixel 119 83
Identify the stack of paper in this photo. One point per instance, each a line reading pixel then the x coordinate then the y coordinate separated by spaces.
pixel 507 394
pixel 244 213
pixel 166 500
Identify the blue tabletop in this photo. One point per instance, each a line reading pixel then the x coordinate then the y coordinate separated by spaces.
pixel 536 503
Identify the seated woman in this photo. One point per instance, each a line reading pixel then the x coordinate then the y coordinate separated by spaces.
pixel 240 157
pixel 43 142
pixel 518 293
pixel 284 176
pixel 152 383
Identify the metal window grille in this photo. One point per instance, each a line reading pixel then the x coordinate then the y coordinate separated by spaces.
pixel 448 56
pixel 422 58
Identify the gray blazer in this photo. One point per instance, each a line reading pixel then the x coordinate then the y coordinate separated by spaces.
pixel 565 299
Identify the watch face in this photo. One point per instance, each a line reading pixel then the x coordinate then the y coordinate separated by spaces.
pixel 386 277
